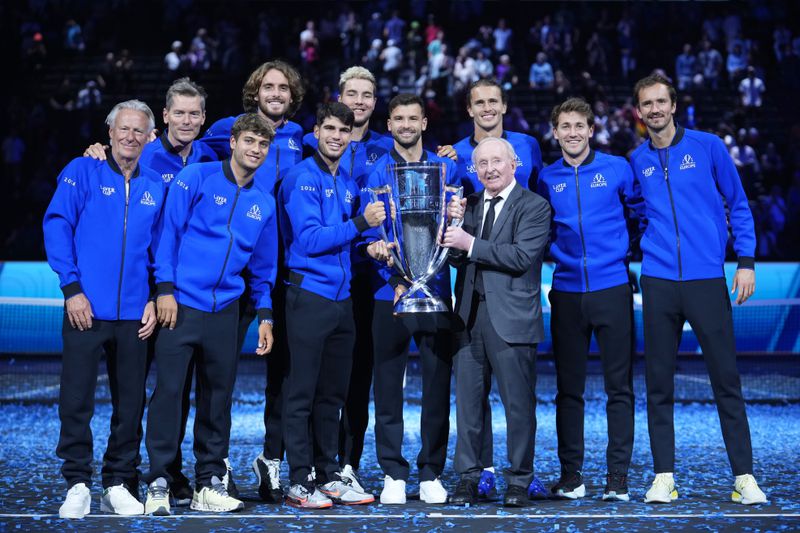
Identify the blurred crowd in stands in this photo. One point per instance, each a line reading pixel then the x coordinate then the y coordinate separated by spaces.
pixel 736 65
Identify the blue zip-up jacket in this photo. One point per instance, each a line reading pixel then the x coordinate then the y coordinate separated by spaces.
pixel 212 230
pixel 384 279
pixel 529 161
pixel 683 188
pixel 589 235
pixel 99 240
pixel 319 221
pixel 285 150
pixel 360 157
pixel 165 159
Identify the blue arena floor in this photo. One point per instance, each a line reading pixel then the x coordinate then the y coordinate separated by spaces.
pixel 32 488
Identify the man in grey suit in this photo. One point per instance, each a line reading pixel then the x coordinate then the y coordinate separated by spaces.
pixel 498 252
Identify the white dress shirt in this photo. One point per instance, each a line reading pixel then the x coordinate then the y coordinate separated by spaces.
pixel 498 207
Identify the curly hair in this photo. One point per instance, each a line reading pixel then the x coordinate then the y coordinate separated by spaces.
pixel 251 87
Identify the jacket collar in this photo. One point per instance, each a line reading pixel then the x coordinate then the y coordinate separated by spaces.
pixel 228 171
pixel 323 166
pixel 588 161
pixel 680 131
pixel 399 159
pixel 474 143
pixel 115 167
pixel 168 146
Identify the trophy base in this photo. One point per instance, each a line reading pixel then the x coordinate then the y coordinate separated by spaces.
pixel 419 305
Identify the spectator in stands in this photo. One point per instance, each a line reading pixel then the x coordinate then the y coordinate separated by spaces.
pixel 64 97
pixel 309 43
pixel 89 97
pixel 431 30
pixel 772 164
pixel 505 73
pixel 13 149
pixel 751 88
pixel 464 70
pixel 415 46
pixel 561 83
pixel 206 48
pixel 736 63
pixel 746 161
pixel 502 37
pixel 372 59
pixel 173 59
pixel 781 37
pixel 710 63
pixel 374 28
pixel 35 53
pixel 731 26
pixel 685 67
pixel 392 58
pixel 486 40
pixel 395 29
pixel 541 73
pixel 73 37
pixel 596 54
pixel 350 31
pixel 483 66
pixel 124 69
pixel 627 47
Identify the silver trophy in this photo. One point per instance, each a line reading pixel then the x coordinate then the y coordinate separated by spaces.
pixel 419 195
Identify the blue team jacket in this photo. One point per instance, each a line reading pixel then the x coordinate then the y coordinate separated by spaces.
pixel 319 221
pixel 529 161
pixel 589 235
pixel 285 150
pixel 360 157
pixel 384 278
pixel 162 157
pixel 99 239
pixel 212 229
pixel 684 187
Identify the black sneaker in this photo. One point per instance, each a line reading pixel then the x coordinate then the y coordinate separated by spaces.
pixel 616 488
pixel 570 486
pixel 268 476
pixel 466 493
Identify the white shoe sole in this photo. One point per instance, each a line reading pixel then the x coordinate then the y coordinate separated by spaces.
pixel 393 500
pixel 106 508
pixel 738 498
pixel 215 508
pixel 574 494
pixel 669 499
pixel 160 510
pixel 74 515
pixel 433 499
pixel 614 497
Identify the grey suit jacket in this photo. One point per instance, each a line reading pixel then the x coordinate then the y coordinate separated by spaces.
pixel 512 265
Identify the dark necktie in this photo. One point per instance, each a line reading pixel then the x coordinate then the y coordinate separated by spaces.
pixel 486 232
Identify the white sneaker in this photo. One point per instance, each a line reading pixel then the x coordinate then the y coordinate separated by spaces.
pixel 77 502
pixel 157 502
pixel 432 491
pixel 662 490
pixel 215 499
pixel 746 491
pixel 348 473
pixel 394 491
pixel 119 501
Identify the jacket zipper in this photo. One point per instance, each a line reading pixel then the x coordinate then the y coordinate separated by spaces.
pixel 227 254
pixel 580 228
pixel 341 265
pixel 124 239
pixel 674 216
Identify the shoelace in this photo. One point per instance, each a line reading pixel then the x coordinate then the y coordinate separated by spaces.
pixel 220 489
pixel 662 481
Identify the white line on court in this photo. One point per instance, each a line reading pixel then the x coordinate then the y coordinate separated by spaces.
pixel 409 515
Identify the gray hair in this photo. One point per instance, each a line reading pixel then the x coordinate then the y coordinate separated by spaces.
pixel 186 87
pixel 135 105
pixel 507 145
pixel 357 73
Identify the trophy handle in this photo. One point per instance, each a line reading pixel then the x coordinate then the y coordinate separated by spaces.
pixel 395 251
pixel 441 254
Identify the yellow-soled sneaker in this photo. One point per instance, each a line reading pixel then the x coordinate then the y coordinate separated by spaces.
pixel 746 491
pixel 662 490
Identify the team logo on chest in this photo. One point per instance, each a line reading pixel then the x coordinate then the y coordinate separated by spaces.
pixel 254 212
pixel 147 199
pixel 598 181
pixel 328 193
pixel 220 200
pixel 519 162
pixel 348 197
pixel 687 162
pixel 371 158
pixel 471 169
pixel 108 191
pixel 648 171
pixel 293 145
pixel 559 187
pixel 167 177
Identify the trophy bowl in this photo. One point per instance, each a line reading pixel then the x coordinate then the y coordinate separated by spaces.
pixel 419 194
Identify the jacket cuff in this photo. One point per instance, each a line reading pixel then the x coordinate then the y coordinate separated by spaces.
pixel 361 223
pixel 396 280
pixel 264 314
pixel 165 287
pixel 71 289
pixel 747 262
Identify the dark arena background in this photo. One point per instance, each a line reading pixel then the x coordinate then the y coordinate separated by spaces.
pixel 67 62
